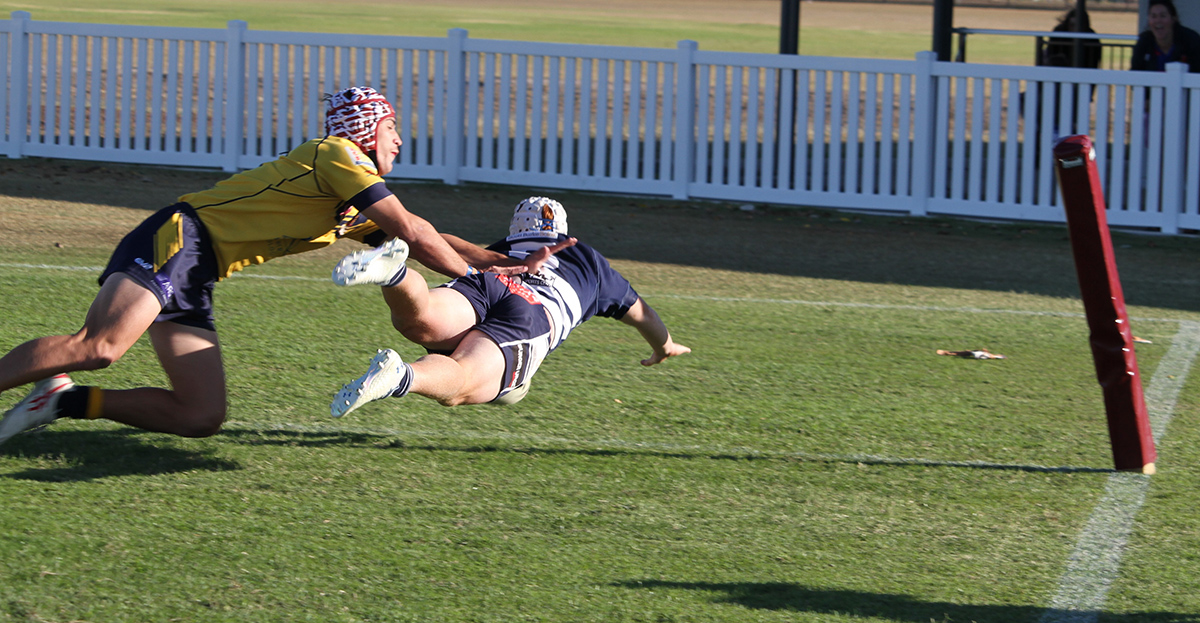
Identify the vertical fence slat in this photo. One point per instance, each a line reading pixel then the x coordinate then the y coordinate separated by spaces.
pixel 552 116
pixel 887 176
pixel 537 106
pixel 1191 198
pixel 904 149
pixel 991 189
pixel 570 133
pixel 753 129
pixel 616 141
pixel 975 157
pixel 488 104
pixel 870 143
pixel 703 147
pixel 770 135
pixel 854 107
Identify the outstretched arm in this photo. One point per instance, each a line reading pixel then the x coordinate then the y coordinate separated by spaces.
pixel 643 318
pixel 426 244
pixel 484 259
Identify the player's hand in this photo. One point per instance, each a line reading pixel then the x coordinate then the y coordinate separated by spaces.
pixel 533 262
pixel 671 350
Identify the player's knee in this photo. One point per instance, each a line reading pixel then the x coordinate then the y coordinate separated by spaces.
pixel 416 332
pixel 453 401
pixel 98 354
pixel 203 422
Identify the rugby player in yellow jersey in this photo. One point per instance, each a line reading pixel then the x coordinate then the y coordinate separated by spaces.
pixel 161 276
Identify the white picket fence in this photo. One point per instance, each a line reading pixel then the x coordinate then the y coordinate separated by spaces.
pixel 917 137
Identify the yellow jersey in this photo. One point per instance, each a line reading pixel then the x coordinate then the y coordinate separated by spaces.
pixel 300 202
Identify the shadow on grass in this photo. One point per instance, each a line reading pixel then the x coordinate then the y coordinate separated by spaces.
pixel 91 455
pixel 795 598
pixel 450 443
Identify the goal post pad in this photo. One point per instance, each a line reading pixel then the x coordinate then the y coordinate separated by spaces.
pixel 1104 303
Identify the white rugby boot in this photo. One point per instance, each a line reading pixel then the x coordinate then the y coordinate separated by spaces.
pixel 383 265
pixel 387 376
pixel 38 408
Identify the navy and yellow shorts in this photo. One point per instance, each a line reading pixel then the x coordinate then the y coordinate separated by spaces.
pixel 511 315
pixel 171 255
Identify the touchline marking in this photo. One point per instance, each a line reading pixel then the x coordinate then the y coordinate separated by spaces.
pixel 97 269
pixel 1096 560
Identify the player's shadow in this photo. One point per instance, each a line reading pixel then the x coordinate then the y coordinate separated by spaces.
pixel 322 439
pixel 787 597
pixel 77 456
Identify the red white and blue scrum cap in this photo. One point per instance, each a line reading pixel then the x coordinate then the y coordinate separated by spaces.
pixel 355 113
pixel 538 217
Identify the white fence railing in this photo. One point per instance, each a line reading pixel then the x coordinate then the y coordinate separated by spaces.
pixel 918 137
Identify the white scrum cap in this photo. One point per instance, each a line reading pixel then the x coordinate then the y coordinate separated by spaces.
pixel 538 217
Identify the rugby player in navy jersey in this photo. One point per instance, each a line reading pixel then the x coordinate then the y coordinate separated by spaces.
pixel 487 333
pixel 161 276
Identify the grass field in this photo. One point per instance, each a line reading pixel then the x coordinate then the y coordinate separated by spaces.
pixel 812 460
pixel 826 29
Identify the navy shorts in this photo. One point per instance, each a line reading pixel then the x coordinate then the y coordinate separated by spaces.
pixel 512 316
pixel 171 254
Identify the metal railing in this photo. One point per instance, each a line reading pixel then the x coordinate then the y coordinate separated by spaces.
pixel 1115 54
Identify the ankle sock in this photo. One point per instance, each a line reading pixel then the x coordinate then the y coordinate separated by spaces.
pixel 82 402
pixel 405 384
pixel 397 278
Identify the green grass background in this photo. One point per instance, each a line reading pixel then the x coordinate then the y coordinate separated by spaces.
pixel 491 20
pixel 803 464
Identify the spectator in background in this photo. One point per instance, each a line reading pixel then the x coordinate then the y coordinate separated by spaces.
pixel 1060 51
pixel 1165 41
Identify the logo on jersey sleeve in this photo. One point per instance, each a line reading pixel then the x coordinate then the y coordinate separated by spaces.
pixel 360 159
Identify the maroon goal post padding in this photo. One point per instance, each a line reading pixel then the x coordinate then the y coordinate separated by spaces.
pixel 1104 302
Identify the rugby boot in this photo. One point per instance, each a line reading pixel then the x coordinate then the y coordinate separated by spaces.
pixel 38 408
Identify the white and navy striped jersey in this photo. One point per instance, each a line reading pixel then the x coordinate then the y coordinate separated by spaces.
pixel 574 284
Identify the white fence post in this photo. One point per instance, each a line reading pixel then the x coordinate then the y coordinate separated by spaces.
pixel 18 83
pixel 1174 145
pixel 685 122
pixel 235 93
pixel 924 134
pixel 456 84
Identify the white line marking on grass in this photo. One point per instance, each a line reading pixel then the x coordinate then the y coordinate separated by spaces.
pixel 1096 559
pixel 690 297
pixel 97 269
pixel 53 267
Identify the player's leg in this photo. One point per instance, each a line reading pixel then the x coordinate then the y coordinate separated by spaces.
pixel 431 318
pixel 472 375
pixel 195 406
pixel 118 316
pixel 436 319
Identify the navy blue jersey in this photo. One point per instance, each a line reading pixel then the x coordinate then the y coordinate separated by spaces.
pixel 575 284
